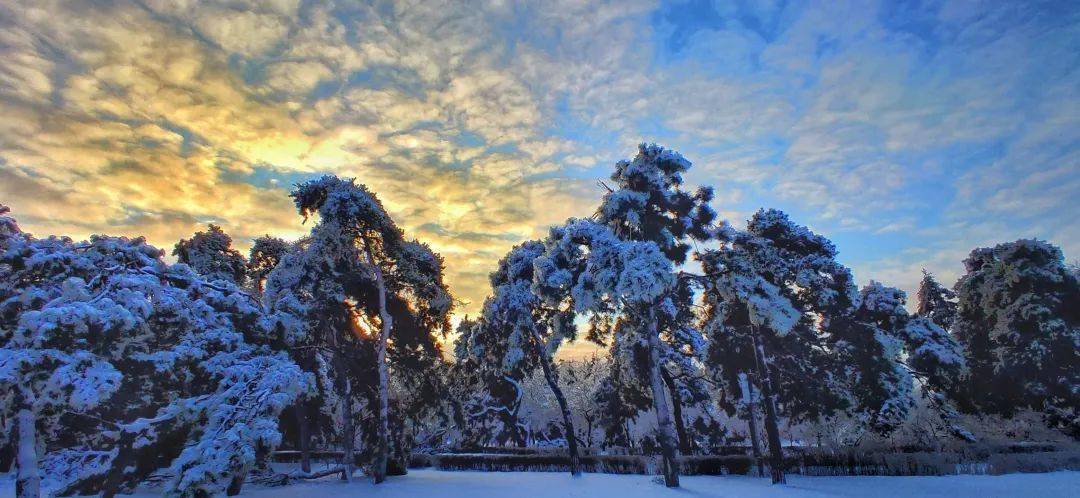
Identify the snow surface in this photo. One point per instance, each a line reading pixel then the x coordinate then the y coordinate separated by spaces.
pixel 559 485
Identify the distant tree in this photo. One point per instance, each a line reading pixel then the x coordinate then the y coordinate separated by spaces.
pixel 211 254
pixel 486 402
pixel 264 256
pixel 935 302
pixel 869 344
pixel 1018 320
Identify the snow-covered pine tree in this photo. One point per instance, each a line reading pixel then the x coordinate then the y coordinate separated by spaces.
pixel 485 401
pixel 356 272
pixel 266 252
pixel 194 384
pixel 648 204
pixel 586 267
pixel 1018 319
pixel 935 302
pixel 770 290
pixel 518 333
pixel 868 343
pixel 211 254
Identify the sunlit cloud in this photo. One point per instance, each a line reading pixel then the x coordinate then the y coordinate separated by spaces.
pixel 909 136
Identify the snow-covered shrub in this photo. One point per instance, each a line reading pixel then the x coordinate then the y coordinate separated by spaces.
pixel 186 368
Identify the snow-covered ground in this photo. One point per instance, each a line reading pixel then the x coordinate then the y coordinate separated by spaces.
pixel 557 485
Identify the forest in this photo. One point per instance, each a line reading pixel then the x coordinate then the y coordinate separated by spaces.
pixel 739 345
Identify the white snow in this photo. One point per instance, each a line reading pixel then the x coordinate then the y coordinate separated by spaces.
pixel 560 485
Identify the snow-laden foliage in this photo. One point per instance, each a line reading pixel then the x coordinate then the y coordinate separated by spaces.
pixel 647 202
pixel 781 282
pixel 211 255
pixel 266 252
pixel 352 298
pixel 869 342
pixel 935 302
pixel 1018 319
pixel 130 365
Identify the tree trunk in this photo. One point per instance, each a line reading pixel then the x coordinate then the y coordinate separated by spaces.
pixel 378 466
pixel 28 483
pixel 772 428
pixel 305 435
pixel 349 459
pixel 237 483
pixel 676 407
pixel 666 427
pixel 751 414
pixel 552 378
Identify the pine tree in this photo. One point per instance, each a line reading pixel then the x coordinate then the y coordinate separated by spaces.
pixel 1018 319
pixel 355 270
pixel 648 204
pixel 770 291
pixel 211 254
pixel 190 375
pixel 264 256
pixel 935 302
pixel 518 334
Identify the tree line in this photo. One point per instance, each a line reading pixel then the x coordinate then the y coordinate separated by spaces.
pixel 117 366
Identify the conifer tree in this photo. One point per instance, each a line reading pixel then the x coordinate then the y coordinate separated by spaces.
pixel 1018 320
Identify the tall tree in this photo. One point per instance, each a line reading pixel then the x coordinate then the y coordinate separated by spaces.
pixel 647 203
pixel 355 272
pixel 585 266
pixel 1018 319
pixel 771 291
pixel 519 334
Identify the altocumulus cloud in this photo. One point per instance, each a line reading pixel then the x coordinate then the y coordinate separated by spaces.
pixel 908 134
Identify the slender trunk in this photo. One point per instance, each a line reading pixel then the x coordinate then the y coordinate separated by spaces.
pixel 552 378
pixel 28 483
pixel 349 460
pixel 772 429
pixel 751 409
pixel 305 436
pixel 666 427
pixel 588 435
pixel 676 407
pixel 378 466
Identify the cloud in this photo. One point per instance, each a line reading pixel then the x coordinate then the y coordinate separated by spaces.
pixel 910 135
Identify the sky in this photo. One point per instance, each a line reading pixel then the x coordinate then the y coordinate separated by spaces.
pixel 907 132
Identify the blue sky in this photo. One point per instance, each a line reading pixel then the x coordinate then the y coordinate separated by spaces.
pixel 907 132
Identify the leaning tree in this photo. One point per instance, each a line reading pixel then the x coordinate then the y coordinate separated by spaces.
pixel 354 274
pixel 518 333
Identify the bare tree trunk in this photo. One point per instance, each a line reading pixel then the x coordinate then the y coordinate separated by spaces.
pixel 349 463
pixel 772 429
pixel 28 483
pixel 378 466
pixel 666 427
pixel 751 409
pixel 676 406
pixel 305 436
pixel 552 378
